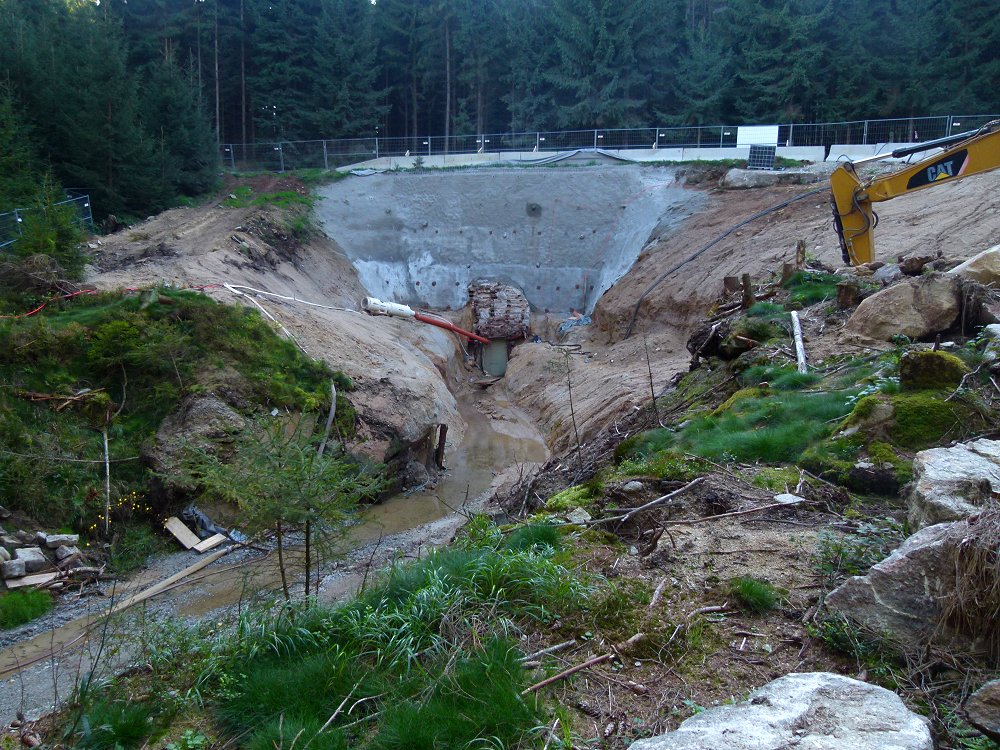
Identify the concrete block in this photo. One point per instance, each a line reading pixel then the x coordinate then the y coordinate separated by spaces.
pixel 12 569
pixel 52 541
pixel 33 557
pixel 62 552
pixel 10 543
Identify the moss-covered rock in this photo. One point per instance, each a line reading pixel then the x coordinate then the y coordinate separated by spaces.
pixel 913 420
pixel 927 370
pixel 577 496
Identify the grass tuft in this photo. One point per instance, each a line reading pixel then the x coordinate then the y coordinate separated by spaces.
pixel 753 594
pixel 21 606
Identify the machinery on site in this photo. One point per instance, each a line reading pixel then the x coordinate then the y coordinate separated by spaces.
pixel 963 154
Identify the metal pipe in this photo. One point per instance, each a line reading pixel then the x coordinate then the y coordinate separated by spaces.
pixel 449 327
pixel 374 306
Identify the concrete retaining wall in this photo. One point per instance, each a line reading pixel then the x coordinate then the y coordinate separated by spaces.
pixel 563 236
pixel 439 161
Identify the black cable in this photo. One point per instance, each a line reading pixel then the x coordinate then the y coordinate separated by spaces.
pixel 710 245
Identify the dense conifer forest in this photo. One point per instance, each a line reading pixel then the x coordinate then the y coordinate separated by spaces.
pixel 128 100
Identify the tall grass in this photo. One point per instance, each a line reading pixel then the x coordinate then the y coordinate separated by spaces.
pixel 425 658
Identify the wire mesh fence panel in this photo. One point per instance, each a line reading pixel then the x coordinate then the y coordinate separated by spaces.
pixel 10 227
pixel 12 222
pixel 908 130
pixel 334 153
pixel 965 123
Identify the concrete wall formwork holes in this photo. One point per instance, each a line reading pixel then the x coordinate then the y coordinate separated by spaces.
pixel 562 235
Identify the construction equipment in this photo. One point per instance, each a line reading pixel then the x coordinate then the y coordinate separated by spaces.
pixel 963 154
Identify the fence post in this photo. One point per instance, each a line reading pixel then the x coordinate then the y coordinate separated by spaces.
pixel 326 159
pixel 376 147
pixel 864 138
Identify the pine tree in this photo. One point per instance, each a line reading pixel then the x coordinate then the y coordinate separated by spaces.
pixel 19 168
pixel 597 77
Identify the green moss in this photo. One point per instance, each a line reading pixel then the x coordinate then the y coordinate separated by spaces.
pixel 923 419
pixel 578 496
pixel 928 370
pixel 135 358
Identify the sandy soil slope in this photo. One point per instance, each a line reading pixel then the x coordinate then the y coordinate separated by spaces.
pixel 960 219
pixel 399 368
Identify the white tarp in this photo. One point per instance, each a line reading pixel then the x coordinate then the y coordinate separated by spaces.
pixel 757 135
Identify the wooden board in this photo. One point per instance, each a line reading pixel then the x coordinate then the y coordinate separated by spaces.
pixel 34 580
pixel 213 541
pixel 182 533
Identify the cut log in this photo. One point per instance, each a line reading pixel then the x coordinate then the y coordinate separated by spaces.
pixel 182 533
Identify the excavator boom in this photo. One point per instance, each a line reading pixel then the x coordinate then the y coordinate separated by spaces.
pixel 964 154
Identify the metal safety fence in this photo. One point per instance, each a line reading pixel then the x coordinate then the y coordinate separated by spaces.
pixel 12 222
pixel 280 156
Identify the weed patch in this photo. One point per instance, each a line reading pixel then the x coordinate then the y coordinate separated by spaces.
pixel 809 287
pixel 21 606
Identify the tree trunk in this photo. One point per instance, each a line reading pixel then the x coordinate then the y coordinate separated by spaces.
pixel 281 561
pixel 218 119
pixel 308 557
pixel 447 82
pixel 243 82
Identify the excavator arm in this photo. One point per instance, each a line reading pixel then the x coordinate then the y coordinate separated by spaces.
pixel 963 155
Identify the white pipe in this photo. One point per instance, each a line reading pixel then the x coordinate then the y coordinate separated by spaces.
pixel 374 306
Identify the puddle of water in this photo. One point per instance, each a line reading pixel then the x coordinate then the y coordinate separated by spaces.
pixel 489 446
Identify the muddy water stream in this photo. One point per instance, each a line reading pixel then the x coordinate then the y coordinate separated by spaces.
pixel 491 443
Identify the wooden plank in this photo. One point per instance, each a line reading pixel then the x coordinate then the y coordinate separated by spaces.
pixel 35 580
pixel 182 533
pixel 213 541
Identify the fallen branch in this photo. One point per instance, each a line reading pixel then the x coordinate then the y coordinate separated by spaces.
pixel 549 650
pixel 800 347
pixel 584 665
pixel 651 504
pixel 772 506
pixel 658 593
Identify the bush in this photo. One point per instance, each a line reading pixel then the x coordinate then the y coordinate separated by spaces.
pixel 21 606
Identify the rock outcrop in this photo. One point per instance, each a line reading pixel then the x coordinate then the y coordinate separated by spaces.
pixel 953 483
pixel 984 268
pixel 917 308
pixel 982 710
pixel 818 711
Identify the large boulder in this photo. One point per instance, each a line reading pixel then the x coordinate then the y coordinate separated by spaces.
pixel 917 308
pixel 982 710
pixel 811 711
pixel 953 483
pixel 929 590
pixel 984 268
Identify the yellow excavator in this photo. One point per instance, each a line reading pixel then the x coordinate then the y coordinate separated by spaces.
pixel 964 154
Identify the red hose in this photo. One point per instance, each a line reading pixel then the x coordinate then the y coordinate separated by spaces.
pixel 449 327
